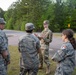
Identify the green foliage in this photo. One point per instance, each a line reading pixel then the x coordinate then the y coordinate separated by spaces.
pixel 59 13
pixel 23 26
pixel 10 24
pixel 1 13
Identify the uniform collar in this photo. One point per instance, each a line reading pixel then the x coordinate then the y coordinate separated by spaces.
pixel 46 29
pixel 28 33
pixel 67 42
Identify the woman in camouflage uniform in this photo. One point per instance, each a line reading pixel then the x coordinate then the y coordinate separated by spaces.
pixel 65 57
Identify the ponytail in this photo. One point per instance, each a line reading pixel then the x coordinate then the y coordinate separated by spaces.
pixel 70 33
pixel 73 42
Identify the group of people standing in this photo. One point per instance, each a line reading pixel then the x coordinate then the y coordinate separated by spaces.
pixel 34 49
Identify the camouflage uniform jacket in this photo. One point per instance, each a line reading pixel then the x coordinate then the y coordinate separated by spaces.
pixel 66 59
pixel 47 38
pixel 29 46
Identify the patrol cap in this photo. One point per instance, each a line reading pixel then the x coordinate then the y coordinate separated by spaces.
pixel 46 22
pixel 2 21
pixel 29 26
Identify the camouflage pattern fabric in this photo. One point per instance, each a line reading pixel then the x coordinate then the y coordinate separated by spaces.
pixel 75 57
pixel 29 46
pixel 66 59
pixel 2 68
pixel 32 71
pixel 45 46
pixel 3 47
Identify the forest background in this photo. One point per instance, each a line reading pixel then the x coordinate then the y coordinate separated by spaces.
pixel 60 13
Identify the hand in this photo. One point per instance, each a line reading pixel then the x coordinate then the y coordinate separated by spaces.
pixel 42 36
pixel 8 62
pixel 36 35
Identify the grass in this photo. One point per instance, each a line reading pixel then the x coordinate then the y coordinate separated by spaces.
pixel 13 68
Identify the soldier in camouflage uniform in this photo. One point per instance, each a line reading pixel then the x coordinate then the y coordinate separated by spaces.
pixel 29 47
pixel 65 57
pixel 45 38
pixel 4 53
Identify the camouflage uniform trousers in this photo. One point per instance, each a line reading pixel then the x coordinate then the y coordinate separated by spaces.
pixel 32 71
pixel 2 70
pixel 23 71
pixel 45 56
